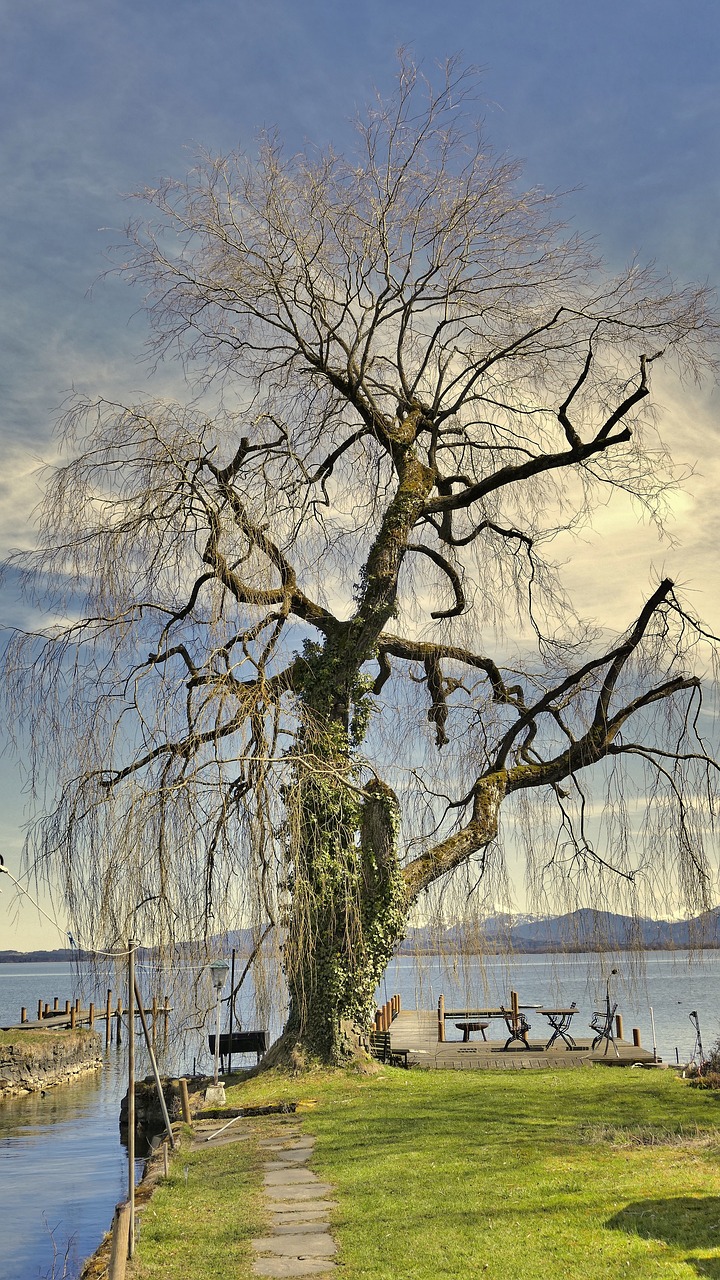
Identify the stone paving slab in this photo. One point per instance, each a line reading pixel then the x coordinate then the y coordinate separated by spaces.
pixel 294 1139
pixel 287 1160
pixel 281 1267
pixel 287 1176
pixel 308 1191
pixel 298 1244
pixel 300 1228
pixel 289 1212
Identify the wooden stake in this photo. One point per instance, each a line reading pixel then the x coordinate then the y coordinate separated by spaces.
pixel 131 1095
pixel 119 1242
pixel 185 1101
pixel 108 1016
pixel 619 1026
pixel 40 1010
pixel 23 1014
pixel 91 1015
pixel 441 1019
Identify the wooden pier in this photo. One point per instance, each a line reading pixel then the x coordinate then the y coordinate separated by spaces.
pixel 51 1017
pixel 416 1031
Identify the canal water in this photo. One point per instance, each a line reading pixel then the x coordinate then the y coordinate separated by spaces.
pixel 63 1167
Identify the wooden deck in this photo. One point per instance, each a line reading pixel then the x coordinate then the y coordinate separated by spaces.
pixel 417 1031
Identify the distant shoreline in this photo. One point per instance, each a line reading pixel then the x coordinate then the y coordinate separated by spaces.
pixel 547 947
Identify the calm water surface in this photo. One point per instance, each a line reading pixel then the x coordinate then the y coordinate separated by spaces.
pixel 62 1165
pixel 63 1168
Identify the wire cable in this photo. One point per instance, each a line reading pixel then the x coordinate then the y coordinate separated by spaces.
pixel 64 933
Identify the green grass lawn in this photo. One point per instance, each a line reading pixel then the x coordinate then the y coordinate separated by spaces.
pixel 200 1221
pixel 584 1174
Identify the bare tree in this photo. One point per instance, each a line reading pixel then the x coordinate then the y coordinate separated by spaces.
pixel 268 691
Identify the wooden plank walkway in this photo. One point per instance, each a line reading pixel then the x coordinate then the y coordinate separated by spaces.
pixel 417 1031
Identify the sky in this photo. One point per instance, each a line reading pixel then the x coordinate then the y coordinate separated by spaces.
pixel 618 105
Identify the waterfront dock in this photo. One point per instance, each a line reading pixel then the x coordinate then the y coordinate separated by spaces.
pixel 50 1017
pixel 416 1031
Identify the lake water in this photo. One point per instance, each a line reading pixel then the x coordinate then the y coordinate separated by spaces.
pixel 671 983
pixel 63 1168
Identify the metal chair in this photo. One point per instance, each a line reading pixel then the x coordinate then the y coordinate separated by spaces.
pixel 602 1023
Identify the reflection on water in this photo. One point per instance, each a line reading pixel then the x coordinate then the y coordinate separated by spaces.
pixel 62 1170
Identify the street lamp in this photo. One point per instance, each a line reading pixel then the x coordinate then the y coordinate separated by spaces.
pixel 219 970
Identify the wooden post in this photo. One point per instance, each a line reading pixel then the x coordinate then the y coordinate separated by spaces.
pixel 378 1021
pixel 77 1004
pixel 441 1019
pixel 619 1026
pixel 131 1095
pixel 153 1064
pixel 119 1242
pixel 154 1020
pixel 91 1015
pixel 166 1159
pixel 23 1014
pixel 40 1010
pixel 636 1038
pixel 108 1016
pixel 55 1004
pixel 166 1015
pixel 67 1008
pixel 46 1013
pixel 73 1017
pixel 118 1028
pixel 185 1101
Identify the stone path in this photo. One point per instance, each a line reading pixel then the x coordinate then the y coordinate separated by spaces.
pixel 300 1243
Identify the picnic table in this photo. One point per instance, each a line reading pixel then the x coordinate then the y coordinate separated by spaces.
pixel 469 1020
pixel 467 1027
pixel 513 1017
pixel 560 1020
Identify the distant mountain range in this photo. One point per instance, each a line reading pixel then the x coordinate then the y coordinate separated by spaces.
pixel 584 930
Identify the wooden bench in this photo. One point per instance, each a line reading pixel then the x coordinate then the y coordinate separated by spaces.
pixel 240 1042
pixel 381 1048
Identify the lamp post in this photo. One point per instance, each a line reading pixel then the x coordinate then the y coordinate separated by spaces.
pixel 219 970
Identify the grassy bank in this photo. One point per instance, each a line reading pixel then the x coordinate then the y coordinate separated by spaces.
pixel 200 1221
pixel 36 1036
pixel 587 1173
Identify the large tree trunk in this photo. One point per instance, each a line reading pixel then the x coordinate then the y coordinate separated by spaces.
pixel 348 913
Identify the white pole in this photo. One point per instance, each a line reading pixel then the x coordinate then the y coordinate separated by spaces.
pixel 652 1024
pixel 217 1036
